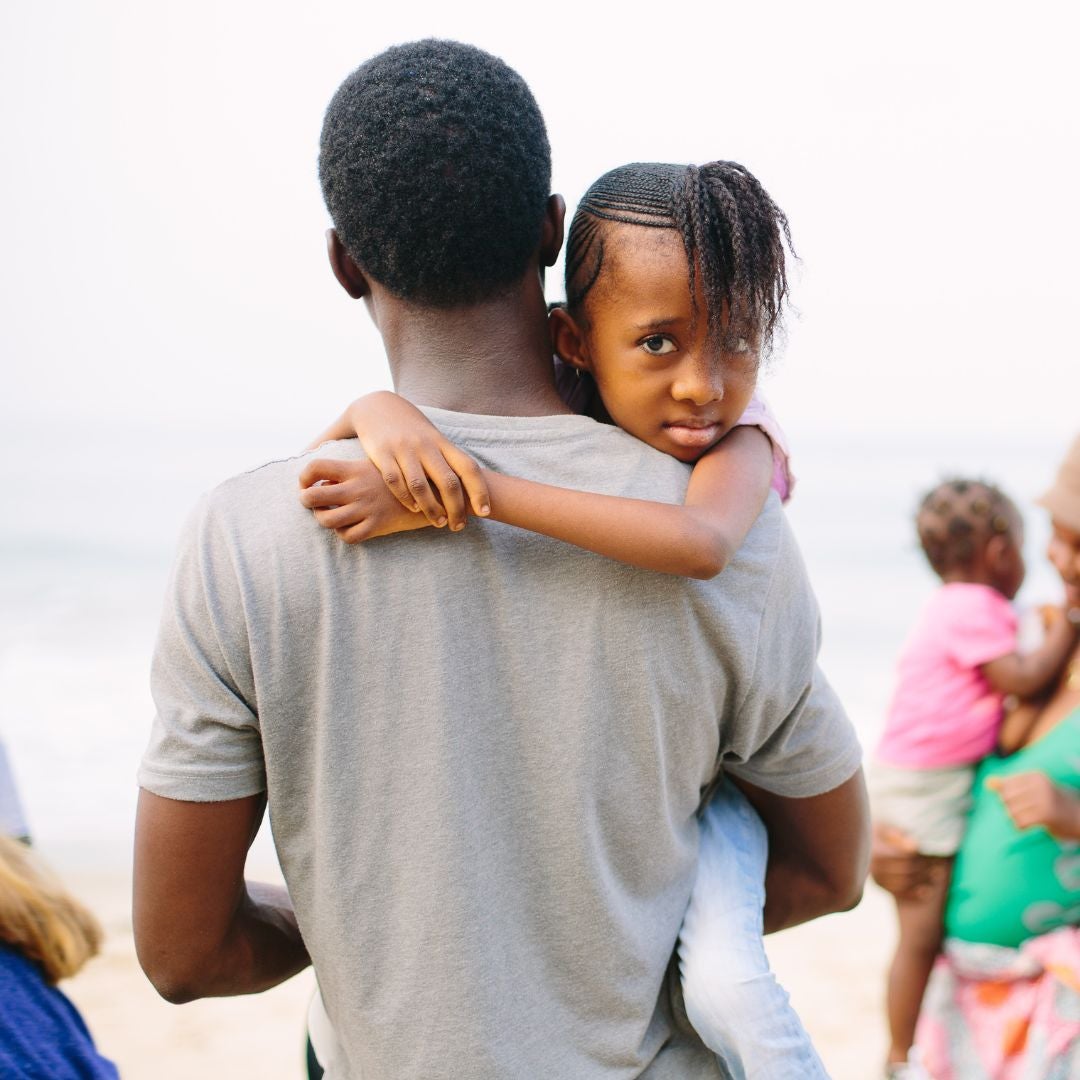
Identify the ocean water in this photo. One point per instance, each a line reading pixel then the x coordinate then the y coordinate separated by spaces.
pixel 87 541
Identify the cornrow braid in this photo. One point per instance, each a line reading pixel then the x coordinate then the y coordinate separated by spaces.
pixel 733 233
pixel 957 518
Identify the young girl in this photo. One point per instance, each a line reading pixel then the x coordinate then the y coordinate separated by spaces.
pixel 954 673
pixel 675 284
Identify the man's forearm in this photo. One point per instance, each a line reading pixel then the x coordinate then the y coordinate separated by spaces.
pixel 795 893
pixel 819 850
pixel 263 947
pixel 200 929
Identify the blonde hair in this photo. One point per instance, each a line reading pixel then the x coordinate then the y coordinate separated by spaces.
pixel 39 918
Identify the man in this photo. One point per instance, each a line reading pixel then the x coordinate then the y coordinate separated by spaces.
pixel 483 753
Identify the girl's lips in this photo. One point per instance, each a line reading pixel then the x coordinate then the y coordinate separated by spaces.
pixel 693 435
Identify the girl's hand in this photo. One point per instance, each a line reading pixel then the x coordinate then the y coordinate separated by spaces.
pixel 351 498
pixel 423 470
pixel 1033 799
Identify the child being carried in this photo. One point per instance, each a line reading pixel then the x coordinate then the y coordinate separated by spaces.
pixel 958 666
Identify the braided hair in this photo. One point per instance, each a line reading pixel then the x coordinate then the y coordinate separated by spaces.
pixel 733 234
pixel 956 520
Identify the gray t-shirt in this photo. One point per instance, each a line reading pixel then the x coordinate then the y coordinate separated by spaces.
pixel 484 752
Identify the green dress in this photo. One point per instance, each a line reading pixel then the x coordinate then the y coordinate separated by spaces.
pixel 1009 885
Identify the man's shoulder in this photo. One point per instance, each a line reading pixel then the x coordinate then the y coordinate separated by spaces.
pixel 259 507
pixel 271 485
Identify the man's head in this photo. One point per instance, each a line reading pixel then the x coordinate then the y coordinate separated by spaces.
pixel 436 170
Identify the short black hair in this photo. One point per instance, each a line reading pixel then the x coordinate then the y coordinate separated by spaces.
pixel 733 233
pixel 957 518
pixel 436 169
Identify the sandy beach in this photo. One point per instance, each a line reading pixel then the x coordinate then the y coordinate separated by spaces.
pixel 833 969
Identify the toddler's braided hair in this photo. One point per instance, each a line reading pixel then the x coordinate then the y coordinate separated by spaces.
pixel 956 520
pixel 436 169
pixel 733 233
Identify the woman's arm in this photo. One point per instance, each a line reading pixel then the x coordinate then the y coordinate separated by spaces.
pixel 1017 725
pixel 727 490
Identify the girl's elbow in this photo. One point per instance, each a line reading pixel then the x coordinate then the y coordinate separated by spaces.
pixel 708 560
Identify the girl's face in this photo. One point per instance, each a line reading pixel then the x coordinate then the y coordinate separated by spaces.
pixel 660 381
pixel 1064 553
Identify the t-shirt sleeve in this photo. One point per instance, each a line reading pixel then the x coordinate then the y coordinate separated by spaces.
pixel 791 735
pixel 759 415
pixel 205 744
pixel 981 626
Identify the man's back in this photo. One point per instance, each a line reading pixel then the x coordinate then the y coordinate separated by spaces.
pixel 484 753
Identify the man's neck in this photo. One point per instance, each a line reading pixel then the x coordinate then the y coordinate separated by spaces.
pixel 492 358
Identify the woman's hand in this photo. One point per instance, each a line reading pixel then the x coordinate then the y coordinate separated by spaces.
pixel 351 498
pixel 1032 799
pixel 425 472
pixel 897 866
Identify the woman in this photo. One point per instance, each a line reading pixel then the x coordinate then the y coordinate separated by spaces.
pixel 1004 999
pixel 45 936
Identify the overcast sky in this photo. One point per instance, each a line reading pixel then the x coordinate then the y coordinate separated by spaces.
pixel 162 223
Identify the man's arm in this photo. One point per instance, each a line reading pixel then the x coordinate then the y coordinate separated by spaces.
pixel 200 929
pixel 819 850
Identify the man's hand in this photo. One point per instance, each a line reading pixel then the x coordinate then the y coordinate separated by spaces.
pixel 351 498
pixel 1032 799
pixel 897 866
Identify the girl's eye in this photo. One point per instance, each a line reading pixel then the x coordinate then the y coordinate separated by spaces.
pixel 658 345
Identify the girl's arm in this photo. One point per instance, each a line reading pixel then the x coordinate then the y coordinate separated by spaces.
pixel 1027 674
pixel 339 429
pixel 727 490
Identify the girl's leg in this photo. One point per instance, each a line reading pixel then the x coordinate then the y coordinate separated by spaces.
pixel 732 998
pixel 921 929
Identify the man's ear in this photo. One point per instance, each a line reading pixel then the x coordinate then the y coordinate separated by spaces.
pixel 551 236
pixel 567 340
pixel 350 277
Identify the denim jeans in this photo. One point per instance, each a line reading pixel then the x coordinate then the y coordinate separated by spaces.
pixel 732 998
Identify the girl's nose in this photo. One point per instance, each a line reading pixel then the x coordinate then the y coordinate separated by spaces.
pixel 699 382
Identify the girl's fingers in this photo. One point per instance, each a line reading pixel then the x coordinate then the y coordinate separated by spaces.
pixel 417 482
pixel 355 534
pixel 341 517
pixel 392 472
pixel 451 493
pixel 472 479
pixel 333 470
pixel 324 496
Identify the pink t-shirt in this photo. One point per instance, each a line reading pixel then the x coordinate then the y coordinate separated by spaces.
pixel 944 712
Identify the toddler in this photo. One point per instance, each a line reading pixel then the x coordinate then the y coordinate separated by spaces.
pixel 958 666
pixel 675 285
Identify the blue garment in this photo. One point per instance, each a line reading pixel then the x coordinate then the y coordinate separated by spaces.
pixel 42 1035
pixel 731 996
